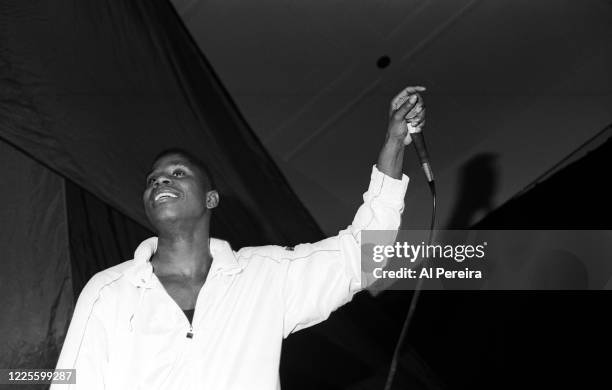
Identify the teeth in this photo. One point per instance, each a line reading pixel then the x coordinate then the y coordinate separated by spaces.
pixel 164 195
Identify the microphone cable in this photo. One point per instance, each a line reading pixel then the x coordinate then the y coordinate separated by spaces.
pixel 413 300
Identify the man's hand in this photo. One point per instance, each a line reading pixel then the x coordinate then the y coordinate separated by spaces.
pixel 406 114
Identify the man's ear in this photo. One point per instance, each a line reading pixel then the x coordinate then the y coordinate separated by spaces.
pixel 212 199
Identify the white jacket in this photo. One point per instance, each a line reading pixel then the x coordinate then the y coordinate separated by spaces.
pixel 128 333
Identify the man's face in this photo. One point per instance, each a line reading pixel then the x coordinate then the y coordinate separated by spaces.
pixel 174 191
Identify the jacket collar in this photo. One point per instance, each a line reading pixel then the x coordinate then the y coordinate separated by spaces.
pixel 141 271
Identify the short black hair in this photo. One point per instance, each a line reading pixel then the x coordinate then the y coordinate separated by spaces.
pixel 191 158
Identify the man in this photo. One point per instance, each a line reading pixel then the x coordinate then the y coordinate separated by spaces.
pixel 188 312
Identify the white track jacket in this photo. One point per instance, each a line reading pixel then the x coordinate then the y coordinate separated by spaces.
pixel 128 333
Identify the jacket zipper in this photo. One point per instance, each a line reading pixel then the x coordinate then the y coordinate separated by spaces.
pixel 189 334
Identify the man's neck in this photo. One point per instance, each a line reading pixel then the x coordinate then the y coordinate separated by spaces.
pixel 185 254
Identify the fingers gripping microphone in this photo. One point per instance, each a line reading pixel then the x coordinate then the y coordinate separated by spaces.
pixel 415 130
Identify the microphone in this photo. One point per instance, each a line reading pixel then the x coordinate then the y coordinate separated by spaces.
pixel 419 144
pixel 415 133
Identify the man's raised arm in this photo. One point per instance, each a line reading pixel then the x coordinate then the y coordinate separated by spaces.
pixel 320 277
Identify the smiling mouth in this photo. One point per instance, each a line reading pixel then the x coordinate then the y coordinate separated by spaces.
pixel 164 195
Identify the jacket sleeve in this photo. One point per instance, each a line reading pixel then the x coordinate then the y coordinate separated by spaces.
pixel 85 346
pixel 322 276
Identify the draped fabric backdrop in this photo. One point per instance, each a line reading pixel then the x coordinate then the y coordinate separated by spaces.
pixel 35 283
pixel 95 89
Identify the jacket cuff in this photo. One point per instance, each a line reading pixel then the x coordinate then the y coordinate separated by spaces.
pixel 386 188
